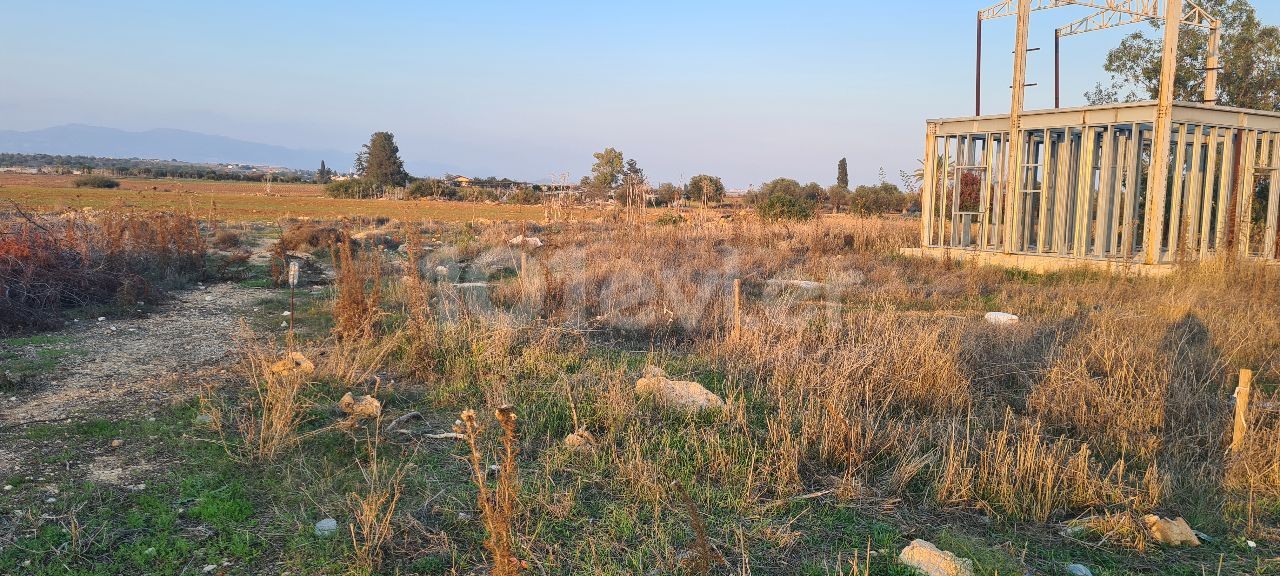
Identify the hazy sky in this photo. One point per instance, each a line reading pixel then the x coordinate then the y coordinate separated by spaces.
pixel 746 90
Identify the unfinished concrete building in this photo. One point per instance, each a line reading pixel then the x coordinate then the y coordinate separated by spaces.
pixel 1140 185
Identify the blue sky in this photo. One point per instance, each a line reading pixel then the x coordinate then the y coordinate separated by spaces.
pixel 747 90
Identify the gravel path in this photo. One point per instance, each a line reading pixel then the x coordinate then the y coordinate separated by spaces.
pixel 123 368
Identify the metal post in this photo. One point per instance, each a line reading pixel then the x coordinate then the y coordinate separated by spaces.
pixel 1161 141
pixel 977 76
pixel 1212 64
pixel 1057 68
pixel 1015 122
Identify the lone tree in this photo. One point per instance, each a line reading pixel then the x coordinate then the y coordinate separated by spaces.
pixel 324 175
pixel 1250 76
pixel 380 162
pixel 607 172
pixel 706 188
pixel 842 173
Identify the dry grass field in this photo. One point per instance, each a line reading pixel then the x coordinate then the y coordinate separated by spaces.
pixel 459 404
pixel 239 201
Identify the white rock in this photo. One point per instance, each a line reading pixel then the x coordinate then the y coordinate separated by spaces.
pixel 931 561
pixel 102 318
pixel 326 527
pixel 208 298
pixel 50 500
pixel 526 242
pixel 8 487
pixel 801 284
pixel 1001 318
pixel 442 271
pixel 1078 570
pixel 676 394
pixel 284 324
pixel 1251 543
pixel 209 568
pixel 286 313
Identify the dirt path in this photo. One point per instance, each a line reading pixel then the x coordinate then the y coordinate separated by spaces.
pixel 121 368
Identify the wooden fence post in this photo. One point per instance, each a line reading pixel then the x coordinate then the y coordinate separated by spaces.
pixel 1242 409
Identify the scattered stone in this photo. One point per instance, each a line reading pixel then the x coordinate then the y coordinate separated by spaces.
pixel 209 568
pixel 1251 543
pixel 931 561
pixel 580 441
pixel 442 271
pixel 530 242
pixel 294 363
pixel 208 298
pixel 102 318
pixel 1001 318
pixel 676 394
pixel 150 551
pixel 1174 532
pixel 204 419
pixel 359 407
pixel 8 487
pixel 1078 570
pixel 117 443
pixel 801 284
pixel 284 324
pixel 326 528
pixel 50 500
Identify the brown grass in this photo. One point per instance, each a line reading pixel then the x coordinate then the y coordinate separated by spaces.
pixel 881 385
pixel 268 417
pixel 245 201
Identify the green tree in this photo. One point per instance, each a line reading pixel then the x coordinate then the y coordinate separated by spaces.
pixel 879 199
pixel 842 174
pixel 704 187
pixel 323 175
pixel 813 192
pixel 379 161
pixel 1250 59
pixel 607 172
pixel 667 194
pixel 784 186
pixel 780 206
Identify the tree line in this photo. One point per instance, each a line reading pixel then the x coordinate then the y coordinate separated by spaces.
pixel 139 168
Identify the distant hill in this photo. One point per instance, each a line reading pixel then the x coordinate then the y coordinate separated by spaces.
pixel 165 144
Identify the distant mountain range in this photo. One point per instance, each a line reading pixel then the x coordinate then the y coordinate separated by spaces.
pixel 165 144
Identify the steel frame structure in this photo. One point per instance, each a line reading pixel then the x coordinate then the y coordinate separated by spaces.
pixel 1109 14
pixel 1142 184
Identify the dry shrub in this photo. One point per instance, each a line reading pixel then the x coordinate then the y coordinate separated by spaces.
pixel 226 240
pixel 359 288
pixel 270 412
pixel 373 510
pixel 1026 474
pixel 48 265
pixel 1254 469
pixel 309 236
pixel 497 504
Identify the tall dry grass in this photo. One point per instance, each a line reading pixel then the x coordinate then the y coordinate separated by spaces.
pixel 115 259
pixel 878 383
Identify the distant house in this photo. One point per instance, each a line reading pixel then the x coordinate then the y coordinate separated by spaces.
pixel 461 181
